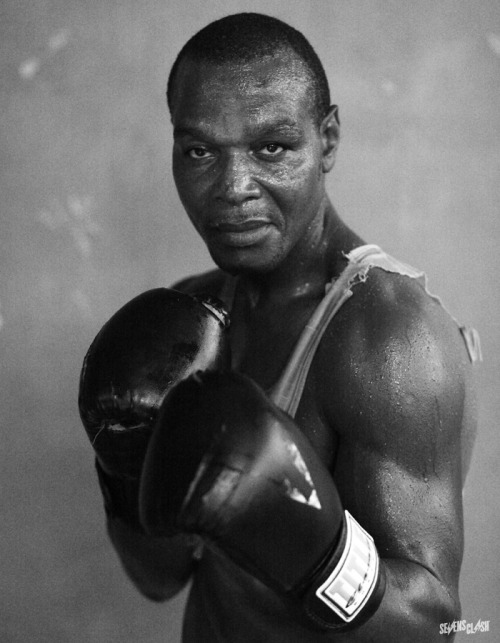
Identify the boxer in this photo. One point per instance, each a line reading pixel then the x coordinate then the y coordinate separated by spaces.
pixel 322 472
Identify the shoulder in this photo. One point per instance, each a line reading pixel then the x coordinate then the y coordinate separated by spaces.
pixel 208 283
pixel 393 359
pixel 390 318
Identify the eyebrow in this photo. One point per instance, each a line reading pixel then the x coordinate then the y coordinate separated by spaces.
pixel 282 127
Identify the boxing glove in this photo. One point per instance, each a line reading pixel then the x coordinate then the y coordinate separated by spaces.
pixel 149 345
pixel 227 464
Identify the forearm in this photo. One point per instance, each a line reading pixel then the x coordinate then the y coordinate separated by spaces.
pixel 414 605
pixel 158 567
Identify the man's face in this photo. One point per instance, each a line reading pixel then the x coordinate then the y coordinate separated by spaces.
pixel 247 160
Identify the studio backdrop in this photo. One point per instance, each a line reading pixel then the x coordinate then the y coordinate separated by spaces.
pixel 90 218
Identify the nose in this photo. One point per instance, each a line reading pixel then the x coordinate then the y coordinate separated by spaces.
pixel 236 183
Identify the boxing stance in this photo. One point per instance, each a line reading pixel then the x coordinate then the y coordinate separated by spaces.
pixel 312 490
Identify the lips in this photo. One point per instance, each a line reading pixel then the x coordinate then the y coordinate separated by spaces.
pixel 250 224
pixel 242 233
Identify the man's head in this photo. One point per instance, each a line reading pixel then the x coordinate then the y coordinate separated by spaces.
pixel 246 37
pixel 250 147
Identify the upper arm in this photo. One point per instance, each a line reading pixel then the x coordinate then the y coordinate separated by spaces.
pixel 396 403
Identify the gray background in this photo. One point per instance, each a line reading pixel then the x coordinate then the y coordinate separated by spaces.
pixel 90 218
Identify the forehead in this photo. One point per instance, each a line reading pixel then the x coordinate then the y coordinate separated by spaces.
pixel 271 87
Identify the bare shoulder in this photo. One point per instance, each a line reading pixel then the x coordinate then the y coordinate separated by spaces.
pixel 207 283
pixel 396 366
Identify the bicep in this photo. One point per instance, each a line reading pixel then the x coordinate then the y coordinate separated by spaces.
pixel 399 413
pixel 403 485
pixel 415 518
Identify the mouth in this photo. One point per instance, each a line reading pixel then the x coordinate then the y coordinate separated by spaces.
pixel 240 234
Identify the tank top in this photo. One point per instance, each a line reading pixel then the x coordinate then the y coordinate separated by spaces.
pixel 287 391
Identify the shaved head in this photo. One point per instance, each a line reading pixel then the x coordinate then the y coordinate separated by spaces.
pixel 245 37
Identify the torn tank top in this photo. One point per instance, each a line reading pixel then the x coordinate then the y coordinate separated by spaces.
pixel 287 391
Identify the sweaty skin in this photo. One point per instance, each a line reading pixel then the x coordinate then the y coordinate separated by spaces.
pixel 388 403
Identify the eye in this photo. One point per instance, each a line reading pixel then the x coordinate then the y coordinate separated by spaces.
pixel 198 153
pixel 271 149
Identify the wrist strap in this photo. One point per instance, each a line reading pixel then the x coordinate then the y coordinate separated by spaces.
pixel 355 585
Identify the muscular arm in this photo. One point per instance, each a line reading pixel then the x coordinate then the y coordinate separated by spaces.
pixel 399 384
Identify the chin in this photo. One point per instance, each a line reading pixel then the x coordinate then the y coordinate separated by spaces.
pixel 248 261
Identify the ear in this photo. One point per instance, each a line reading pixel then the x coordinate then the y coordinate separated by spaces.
pixel 330 137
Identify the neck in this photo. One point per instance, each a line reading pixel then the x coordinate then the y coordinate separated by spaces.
pixel 313 262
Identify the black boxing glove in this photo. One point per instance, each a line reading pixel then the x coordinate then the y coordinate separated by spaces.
pixel 225 463
pixel 148 346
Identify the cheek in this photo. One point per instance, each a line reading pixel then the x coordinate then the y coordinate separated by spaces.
pixel 300 185
pixel 304 172
pixel 190 189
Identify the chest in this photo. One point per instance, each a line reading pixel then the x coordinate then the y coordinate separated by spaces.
pixel 263 339
pixel 262 345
